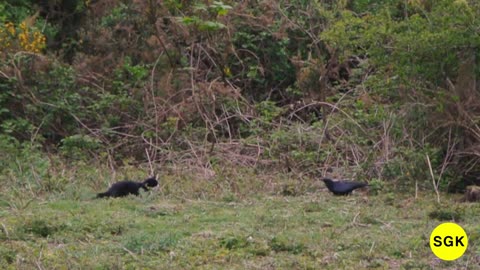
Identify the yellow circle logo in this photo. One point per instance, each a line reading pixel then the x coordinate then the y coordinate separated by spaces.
pixel 448 241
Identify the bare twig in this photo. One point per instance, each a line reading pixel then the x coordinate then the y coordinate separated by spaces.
pixel 435 183
pixel 152 172
pixel 130 252
pixel 5 230
pixel 371 248
pixel 416 189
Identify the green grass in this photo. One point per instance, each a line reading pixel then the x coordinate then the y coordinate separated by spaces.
pixel 313 231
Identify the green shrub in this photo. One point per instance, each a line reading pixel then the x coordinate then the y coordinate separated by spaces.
pixel 38 227
pixel 78 147
pixel 283 244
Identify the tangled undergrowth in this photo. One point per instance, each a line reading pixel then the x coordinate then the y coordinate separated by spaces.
pixel 346 89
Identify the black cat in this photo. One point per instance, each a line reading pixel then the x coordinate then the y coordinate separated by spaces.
pixel 124 188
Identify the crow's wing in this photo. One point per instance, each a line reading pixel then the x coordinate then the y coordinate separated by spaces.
pixel 346 187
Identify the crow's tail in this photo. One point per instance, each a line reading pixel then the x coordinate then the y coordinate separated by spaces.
pixel 360 185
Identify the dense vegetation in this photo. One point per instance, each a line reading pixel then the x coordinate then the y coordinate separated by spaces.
pixel 234 102
pixel 378 89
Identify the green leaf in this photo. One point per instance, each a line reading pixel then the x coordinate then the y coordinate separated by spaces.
pixel 210 26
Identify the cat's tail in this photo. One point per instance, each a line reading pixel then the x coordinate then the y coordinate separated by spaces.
pixel 102 195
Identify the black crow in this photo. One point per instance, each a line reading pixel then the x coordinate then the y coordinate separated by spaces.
pixel 124 188
pixel 342 187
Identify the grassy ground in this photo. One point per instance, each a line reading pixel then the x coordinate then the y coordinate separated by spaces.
pixel 312 231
